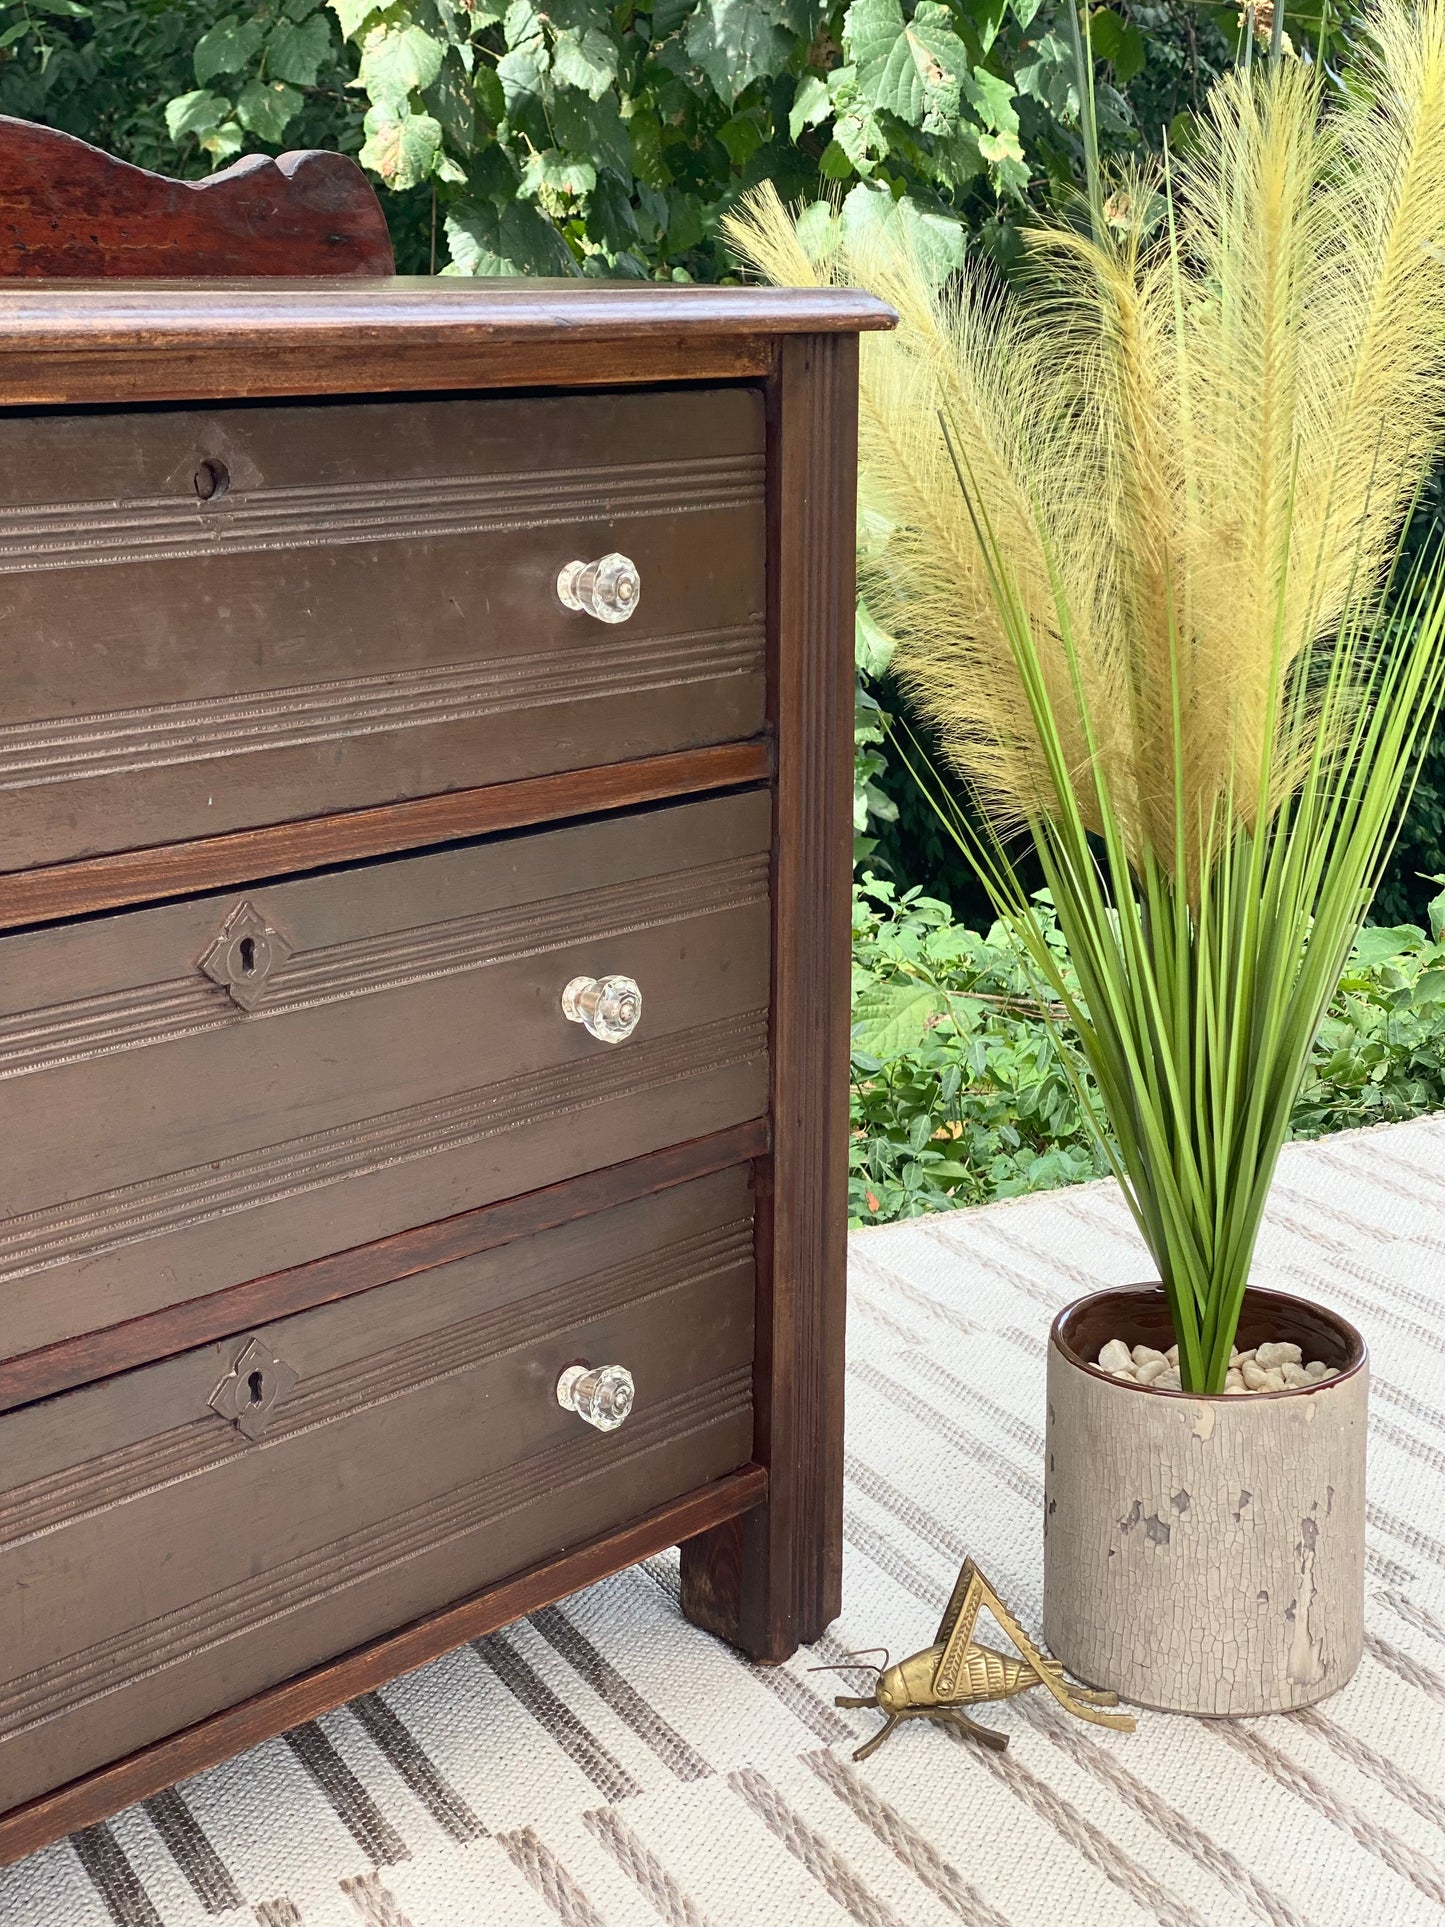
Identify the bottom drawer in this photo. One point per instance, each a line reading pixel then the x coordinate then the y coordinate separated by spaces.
pixel 157 1563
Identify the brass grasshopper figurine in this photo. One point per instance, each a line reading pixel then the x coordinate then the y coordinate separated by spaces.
pixel 954 1672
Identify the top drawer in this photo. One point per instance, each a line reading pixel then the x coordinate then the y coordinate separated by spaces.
pixel 364 607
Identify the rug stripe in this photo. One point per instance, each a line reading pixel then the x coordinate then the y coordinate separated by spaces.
pixel 114 1878
pixel 1091 1843
pixel 920 1856
pixel 642 1865
pixel 1151 1807
pixel 811 1850
pixel 603 1769
pixel 808 1708
pixel 545 1872
pixel 192 1851
pixel 374 1901
pixel 1420 1617
pixel 1373 1765
pixel 1397 1854
pixel 348 1798
pixel 421 1773
pixel 626 1702
pixel 1404 1667
pixel 1023 1484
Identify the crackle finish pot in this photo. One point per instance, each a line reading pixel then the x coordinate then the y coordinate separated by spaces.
pixel 1205 1555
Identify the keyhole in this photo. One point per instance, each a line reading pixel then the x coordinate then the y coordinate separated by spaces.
pixel 248 956
pixel 255 1385
pixel 213 478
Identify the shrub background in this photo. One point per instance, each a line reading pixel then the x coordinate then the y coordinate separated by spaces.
pixel 573 137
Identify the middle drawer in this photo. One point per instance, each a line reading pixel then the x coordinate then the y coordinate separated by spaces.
pixel 204 1092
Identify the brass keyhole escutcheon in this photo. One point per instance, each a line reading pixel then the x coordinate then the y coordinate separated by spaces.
pixel 253 1388
pixel 245 956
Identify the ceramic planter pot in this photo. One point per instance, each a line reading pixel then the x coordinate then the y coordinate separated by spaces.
pixel 1205 1555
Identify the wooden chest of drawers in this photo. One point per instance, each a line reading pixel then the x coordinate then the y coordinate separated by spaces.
pixel 423 986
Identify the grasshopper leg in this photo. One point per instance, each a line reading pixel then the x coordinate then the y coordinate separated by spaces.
pixel 986 1734
pixel 846 1699
pixel 872 1746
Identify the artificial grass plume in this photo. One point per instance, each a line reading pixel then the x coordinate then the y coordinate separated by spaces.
pixel 1138 526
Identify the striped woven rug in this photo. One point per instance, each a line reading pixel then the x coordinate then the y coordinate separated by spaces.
pixel 605 1764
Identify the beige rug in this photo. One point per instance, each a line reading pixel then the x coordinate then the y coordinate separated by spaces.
pixel 603 1763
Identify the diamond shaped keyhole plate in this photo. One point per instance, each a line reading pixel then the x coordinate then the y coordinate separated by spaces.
pixel 255 1385
pixel 245 956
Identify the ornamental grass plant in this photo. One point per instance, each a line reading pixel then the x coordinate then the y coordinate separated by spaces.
pixel 1136 523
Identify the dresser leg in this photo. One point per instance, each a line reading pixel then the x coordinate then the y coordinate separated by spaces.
pixel 764 1597
pixel 771 1580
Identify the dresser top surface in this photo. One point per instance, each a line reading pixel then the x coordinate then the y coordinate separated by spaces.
pixel 88 341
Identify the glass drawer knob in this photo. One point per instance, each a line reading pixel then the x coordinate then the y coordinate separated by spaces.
pixel 609 1007
pixel 601 1394
pixel 609 588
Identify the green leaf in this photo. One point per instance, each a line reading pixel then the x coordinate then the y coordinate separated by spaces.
pixel 987 18
pixel 453 98
pixel 401 147
pixel 491 97
pixel 993 100
pixel 558 173
pixel 266 108
pixel 913 69
pixel 685 226
pixel 352 15
pixel 525 87
pixel 587 60
pixel 737 41
pixel 397 57
pixel 937 240
pixel 229 46
pixel 742 137
pixel 872 647
pixel 223 143
pixel 515 239
pixel 298 52
pixel 524 26
pixel 1430 988
pixel 668 16
pixel 891 1019
pixel 812 104
pixel 596 129
pixel 197 113
pixel 1378 944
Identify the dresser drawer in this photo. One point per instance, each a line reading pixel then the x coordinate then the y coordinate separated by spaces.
pixel 399 1053
pixel 156 1563
pixel 365 609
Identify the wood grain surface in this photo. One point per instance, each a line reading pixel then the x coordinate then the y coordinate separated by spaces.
pixel 774 1579
pixel 109 342
pixel 343 1274
pixel 68 209
pixel 214 619
pixel 36 1823
pixel 64 890
pixel 402 1054
pixel 413 1450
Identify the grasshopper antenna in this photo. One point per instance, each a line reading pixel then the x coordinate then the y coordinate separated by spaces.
pixel 855 1662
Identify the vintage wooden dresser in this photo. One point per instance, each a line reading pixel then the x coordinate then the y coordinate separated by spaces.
pixel 425 711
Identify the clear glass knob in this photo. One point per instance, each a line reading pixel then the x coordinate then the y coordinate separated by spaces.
pixel 609 1007
pixel 609 588
pixel 601 1394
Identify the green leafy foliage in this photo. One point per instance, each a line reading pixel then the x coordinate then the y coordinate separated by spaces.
pixel 547 136
pixel 960 1093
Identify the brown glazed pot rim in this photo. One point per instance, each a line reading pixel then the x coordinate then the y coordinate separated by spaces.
pixel 1290 1317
